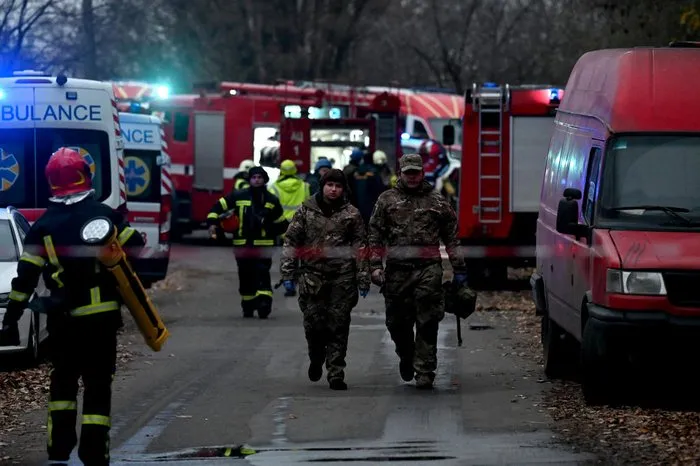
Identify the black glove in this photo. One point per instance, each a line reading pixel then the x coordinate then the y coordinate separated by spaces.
pixel 9 335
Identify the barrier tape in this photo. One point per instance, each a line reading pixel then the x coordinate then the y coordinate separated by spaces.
pixel 304 253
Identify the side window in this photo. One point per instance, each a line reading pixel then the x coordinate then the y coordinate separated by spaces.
pixel 419 130
pixel 592 178
pixel 182 127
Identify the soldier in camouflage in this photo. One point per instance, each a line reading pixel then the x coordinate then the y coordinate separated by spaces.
pixel 327 223
pixel 407 224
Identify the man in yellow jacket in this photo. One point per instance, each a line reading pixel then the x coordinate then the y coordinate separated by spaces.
pixel 292 191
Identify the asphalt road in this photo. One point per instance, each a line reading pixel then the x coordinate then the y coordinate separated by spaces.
pixel 223 381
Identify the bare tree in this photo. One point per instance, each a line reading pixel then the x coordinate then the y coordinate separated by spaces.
pixel 18 18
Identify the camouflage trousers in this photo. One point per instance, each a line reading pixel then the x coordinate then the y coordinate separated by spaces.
pixel 326 308
pixel 414 297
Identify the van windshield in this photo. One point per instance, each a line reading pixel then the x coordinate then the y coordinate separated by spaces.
pixel 659 172
pixel 25 152
pixel 142 175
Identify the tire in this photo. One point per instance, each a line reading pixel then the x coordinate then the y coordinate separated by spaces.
pixel 600 367
pixel 558 349
pixel 31 356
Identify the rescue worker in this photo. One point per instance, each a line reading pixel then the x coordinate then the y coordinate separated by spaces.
pixel 356 158
pixel 83 310
pixel 321 168
pixel 367 186
pixel 260 220
pixel 291 191
pixel 328 286
pixel 409 221
pixel 240 179
pixel 435 160
pixel 380 161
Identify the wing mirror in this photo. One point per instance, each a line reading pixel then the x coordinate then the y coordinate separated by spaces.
pixel 567 215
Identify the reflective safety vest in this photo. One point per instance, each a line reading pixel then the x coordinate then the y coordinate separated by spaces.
pixel 240 183
pixel 258 223
pixel 292 192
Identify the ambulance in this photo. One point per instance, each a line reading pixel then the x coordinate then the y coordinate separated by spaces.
pixel 148 191
pixel 40 113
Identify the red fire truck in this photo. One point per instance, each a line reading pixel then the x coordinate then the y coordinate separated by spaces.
pixel 506 133
pixel 209 134
pixel 375 126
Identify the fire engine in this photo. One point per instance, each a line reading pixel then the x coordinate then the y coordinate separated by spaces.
pixel 375 126
pixel 423 111
pixel 133 96
pixel 506 133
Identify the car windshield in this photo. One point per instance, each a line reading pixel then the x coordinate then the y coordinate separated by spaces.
pixel 652 180
pixel 436 125
pixel 8 246
pixel 25 152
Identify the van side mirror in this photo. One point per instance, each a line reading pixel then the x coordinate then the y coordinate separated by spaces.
pixel 567 215
pixel 448 135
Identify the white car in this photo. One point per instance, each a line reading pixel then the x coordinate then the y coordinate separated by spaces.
pixel 32 326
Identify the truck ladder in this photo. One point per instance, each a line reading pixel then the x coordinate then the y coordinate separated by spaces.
pixel 488 102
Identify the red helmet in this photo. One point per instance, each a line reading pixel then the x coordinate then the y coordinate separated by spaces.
pixel 434 157
pixel 68 173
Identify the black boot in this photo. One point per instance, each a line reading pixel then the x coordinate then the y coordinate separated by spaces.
pixel 406 368
pixel 337 384
pixel 315 371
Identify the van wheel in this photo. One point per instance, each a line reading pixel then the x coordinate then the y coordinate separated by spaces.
pixel 600 380
pixel 557 349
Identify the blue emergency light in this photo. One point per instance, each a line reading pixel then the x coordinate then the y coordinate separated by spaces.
pixel 405 136
pixel 490 84
pixel 2 94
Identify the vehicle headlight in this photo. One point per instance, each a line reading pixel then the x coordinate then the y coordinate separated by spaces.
pixel 633 282
pixel 4 299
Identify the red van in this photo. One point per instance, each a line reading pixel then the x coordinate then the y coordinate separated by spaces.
pixel 618 232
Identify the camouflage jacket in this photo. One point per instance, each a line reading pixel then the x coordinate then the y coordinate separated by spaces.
pixel 410 226
pixel 329 246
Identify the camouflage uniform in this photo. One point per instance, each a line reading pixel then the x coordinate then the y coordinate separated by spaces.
pixel 410 224
pixel 328 286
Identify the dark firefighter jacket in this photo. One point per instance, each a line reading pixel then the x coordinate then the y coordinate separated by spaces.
pixel 240 181
pixel 81 288
pixel 259 214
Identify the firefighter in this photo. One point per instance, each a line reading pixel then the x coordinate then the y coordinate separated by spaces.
pixel 380 161
pixel 435 160
pixel 83 310
pixel 328 286
pixel 241 178
pixel 260 220
pixel 291 191
pixel 413 215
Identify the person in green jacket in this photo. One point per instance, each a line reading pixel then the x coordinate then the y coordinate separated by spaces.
pixel 292 191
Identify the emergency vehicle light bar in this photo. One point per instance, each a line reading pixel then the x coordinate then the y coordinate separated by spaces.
pixel 31 73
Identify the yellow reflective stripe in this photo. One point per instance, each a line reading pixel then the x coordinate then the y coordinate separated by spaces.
pixel 63 405
pixel 32 259
pixel 239 241
pixel 243 202
pixel 53 259
pixel 96 419
pixel 247 297
pixel 213 215
pixel 307 189
pixel 223 203
pixel 281 219
pixel 95 295
pixel 125 235
pixel 264 293
pixel 263 242
pixel 90 309
pixel 18 296
pixel 269 205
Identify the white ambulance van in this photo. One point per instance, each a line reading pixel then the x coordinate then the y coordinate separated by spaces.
pixel 148 191
pixel 40 113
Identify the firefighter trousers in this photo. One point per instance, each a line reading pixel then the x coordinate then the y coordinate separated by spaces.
pixel 92 356
pixel 255 284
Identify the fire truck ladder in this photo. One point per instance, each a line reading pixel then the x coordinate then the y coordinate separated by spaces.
pixel 488 103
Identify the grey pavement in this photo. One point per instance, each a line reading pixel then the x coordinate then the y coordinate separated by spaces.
pixel 223 382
